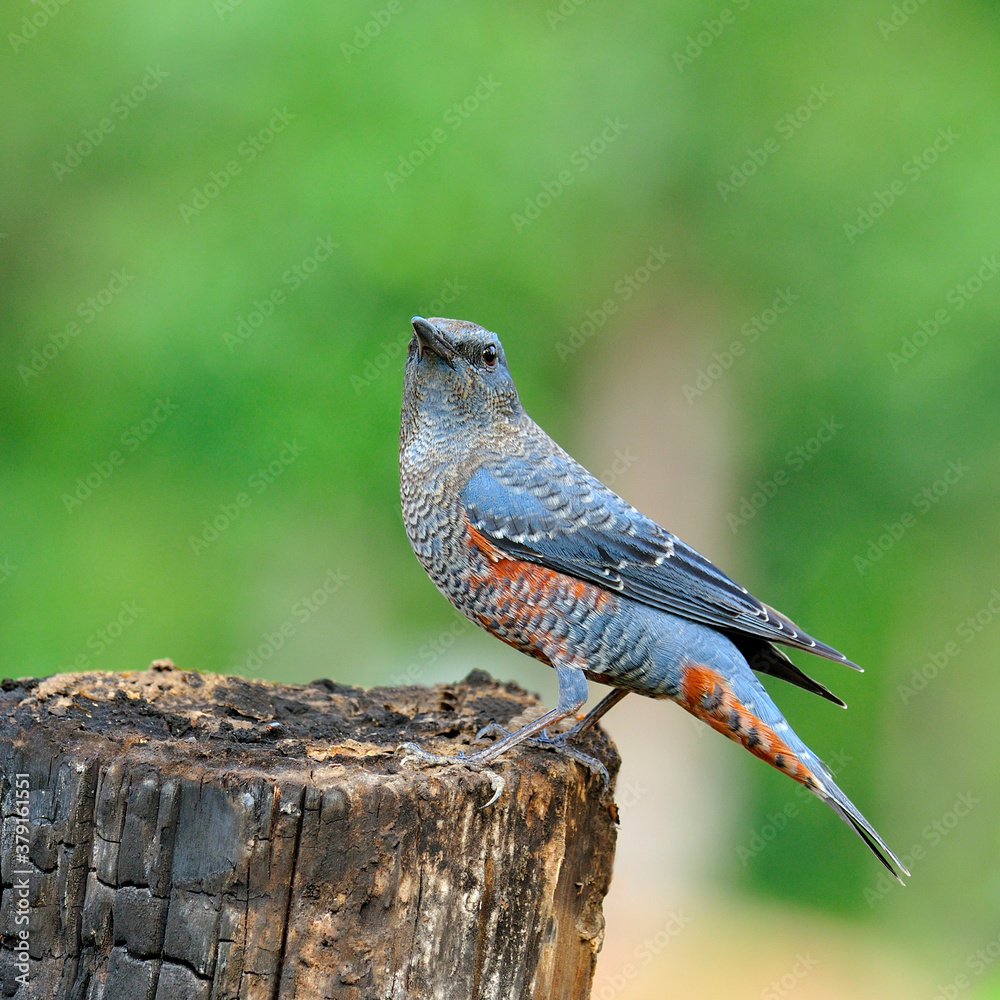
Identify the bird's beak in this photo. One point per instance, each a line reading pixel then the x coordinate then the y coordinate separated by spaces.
pixel 429 337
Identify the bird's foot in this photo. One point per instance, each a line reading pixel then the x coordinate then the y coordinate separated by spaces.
pixel 417 753
pixel 560 743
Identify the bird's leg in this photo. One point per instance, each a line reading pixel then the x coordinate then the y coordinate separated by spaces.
pixel 591 719
pixel 562 742
pixel 572 695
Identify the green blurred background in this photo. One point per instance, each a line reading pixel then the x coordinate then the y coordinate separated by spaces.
pixel 217 220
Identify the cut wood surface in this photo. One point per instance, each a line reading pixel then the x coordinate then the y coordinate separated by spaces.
pixel 173 835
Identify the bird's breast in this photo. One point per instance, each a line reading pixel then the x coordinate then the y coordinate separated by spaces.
pixel 535 609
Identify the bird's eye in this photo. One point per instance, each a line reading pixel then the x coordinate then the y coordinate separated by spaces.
pixel 490 356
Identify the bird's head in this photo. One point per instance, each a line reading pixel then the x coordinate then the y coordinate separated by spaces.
pixel 457 376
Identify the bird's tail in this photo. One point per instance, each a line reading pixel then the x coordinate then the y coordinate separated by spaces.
pixel 850 814
pixel 741 709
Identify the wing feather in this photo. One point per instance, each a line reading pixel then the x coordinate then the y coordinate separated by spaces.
pixel 553 512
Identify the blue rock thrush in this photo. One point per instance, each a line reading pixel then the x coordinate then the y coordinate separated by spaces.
pixel 529 545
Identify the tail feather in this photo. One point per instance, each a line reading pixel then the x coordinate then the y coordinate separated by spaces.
pixel 742 710
pixel 850 814
pixel 766 658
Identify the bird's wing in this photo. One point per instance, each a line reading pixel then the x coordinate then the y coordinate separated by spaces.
pixel 553 512
pixel 766 658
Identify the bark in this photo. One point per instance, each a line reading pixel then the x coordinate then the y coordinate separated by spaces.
pixel 170 835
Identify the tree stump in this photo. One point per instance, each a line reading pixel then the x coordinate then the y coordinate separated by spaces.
pixel 171 835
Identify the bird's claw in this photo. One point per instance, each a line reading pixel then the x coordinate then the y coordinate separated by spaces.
pixel 417 753
pixel 561 743
pixel 495 780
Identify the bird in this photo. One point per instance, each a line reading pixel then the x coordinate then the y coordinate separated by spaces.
pixel 527 544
